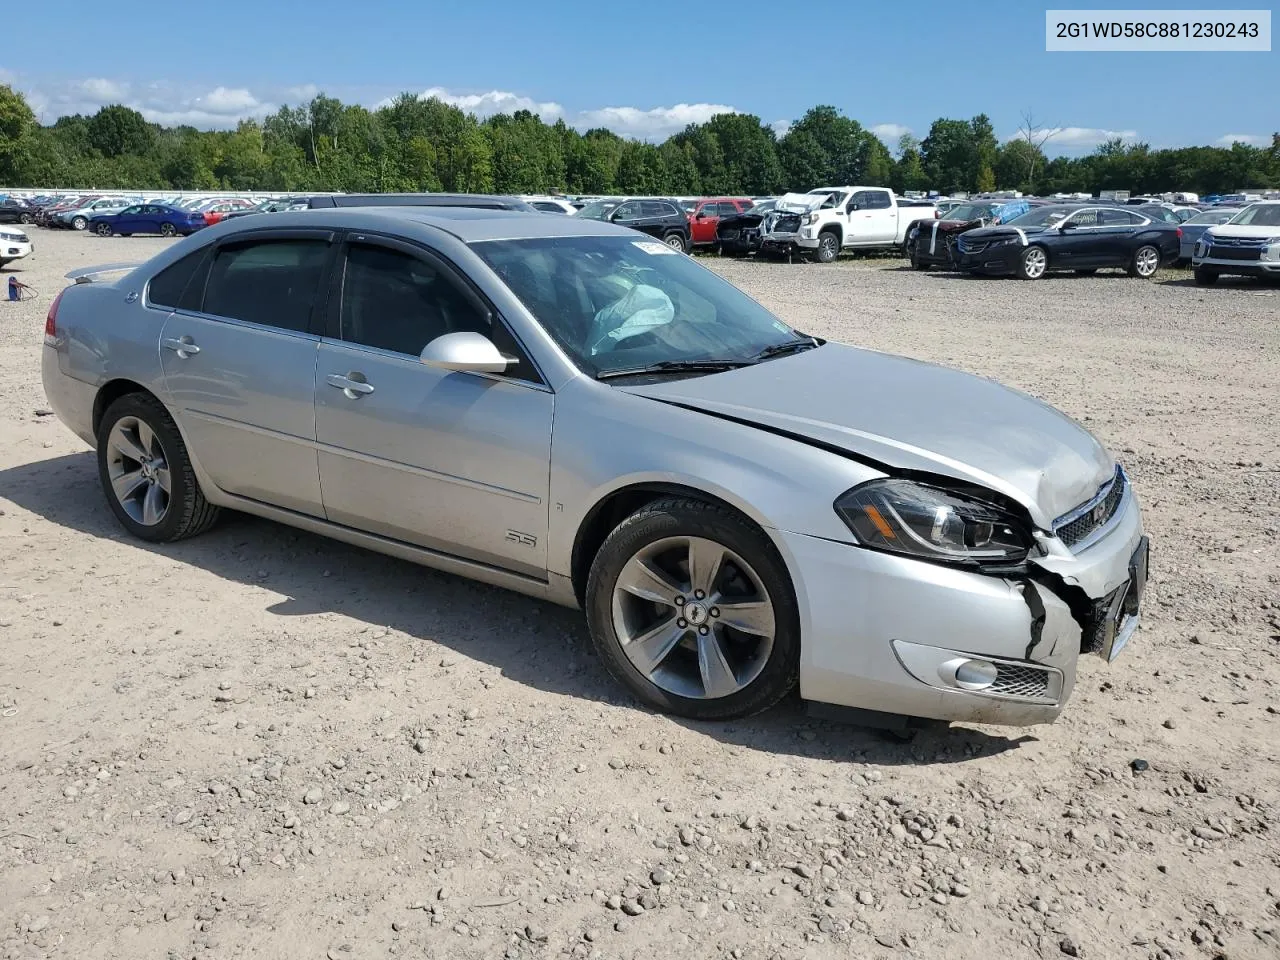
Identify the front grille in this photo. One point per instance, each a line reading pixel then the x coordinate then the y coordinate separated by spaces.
pixel 971 246
pixel 1091 516
pixel 1219 252
pixel 1015 680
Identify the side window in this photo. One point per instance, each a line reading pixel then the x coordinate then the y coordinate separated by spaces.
pixel 271 282
pixel 629 211
pixel 652 208
pixel 395 301
pixel 128 211
pixel 179 285
pixel 876 200
pixel 1084 218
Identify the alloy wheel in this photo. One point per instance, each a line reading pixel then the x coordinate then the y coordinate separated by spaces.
pixel 693 617
pixel 1146 262
pixel 1034 262
pixel 138 471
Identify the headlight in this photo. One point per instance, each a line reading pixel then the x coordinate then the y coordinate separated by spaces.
pixel 1001 241
pixel 811 218
pixel 921 521
pixel 1271 252
pixel 913 233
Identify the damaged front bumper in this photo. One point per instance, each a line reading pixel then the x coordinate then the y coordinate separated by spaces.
pixel 895 635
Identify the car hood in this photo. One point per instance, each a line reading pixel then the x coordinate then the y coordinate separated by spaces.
pixel 1244 232
pixel 990 233
pixel 800 202
pixel 907 415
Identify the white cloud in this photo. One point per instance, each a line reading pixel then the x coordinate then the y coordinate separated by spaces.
pixel 655 124
pixel 493 101
pixel 100 90
pixel 1078 138
pixel 890 133
pixel 222 100
pixel 781 128
pixel 1252 139
pixel 303 93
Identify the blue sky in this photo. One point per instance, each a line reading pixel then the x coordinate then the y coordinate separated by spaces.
pixel 643 69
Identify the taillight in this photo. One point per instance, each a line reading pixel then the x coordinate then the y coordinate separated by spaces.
pixel 937 214
pixel 1179 233
pixel 51 320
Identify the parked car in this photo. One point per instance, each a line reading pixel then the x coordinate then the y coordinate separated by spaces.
pixel 214 212
pixel 836 218
pixel 1158 211
pixel 1247 245
pixel 735 504
pixel 17 211
pixel 739 235
pixel 705 213
pixel 148 218
pixel 78 217
pixel 932 243
pixel 1190 231
pixel 551 205
pixel 14 245
pixel 47 213
pixel 1070 237
pixel 661 219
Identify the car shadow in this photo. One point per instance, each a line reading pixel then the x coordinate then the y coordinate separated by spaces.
pixel 1224 283
pixel 532 642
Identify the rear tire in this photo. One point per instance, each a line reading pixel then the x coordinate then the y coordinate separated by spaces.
pixel 685 671
pixel 167 230
pixel 1145 262
pixel 1205 277
pixel 676 242
pixel 26 218
pixel 1033 263
pixel 147 474
pixel 828 247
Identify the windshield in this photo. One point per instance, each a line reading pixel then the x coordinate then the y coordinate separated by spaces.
pixel 1213 217
pixel 599 209
pixel 688 206
pixel 764 206
pixel 1259 215
pixel 1041 217
pixel 614 303
pixel 968 211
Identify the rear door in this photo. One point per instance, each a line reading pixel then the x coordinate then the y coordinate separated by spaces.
pixel 454 462
pixel 239 360
pixel 631 215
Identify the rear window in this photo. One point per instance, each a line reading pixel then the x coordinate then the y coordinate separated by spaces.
pixel 179 285
pixel 270 282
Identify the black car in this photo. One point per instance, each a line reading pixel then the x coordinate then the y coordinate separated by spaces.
pixel 15 211
pixel 1075 237
pixel 740 235
pixel 662 219
pixel 477 200
pixel 932 243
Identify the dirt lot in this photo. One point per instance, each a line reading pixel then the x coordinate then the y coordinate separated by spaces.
pixel 261 743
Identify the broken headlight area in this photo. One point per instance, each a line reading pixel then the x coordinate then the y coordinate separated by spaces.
pixel 901 516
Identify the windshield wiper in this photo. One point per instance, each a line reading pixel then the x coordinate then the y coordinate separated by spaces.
pixel 676 366
pixel 787 346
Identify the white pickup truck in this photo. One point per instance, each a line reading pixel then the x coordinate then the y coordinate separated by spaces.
pixel 828 219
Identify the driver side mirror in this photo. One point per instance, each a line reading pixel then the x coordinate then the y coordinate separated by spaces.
pixel 853 205
pixel 465 353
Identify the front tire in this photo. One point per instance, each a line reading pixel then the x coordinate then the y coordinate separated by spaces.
pixel 828 247
pixel 692 609
pixel 913 254
pixel 146 472
pixel 103 229
pixel 1205 277
pixel 1145 262
pixel 676 242
pixel 1033 263
pixel 26 218
pixel 79 223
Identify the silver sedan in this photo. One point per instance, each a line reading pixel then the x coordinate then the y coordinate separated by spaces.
pixel 573 410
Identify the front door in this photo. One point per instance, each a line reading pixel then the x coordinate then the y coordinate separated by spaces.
pixel 239 366
pixel 1082 241
pixel 872 217
pixel 705 222
pixel 127 220
pixel 454 462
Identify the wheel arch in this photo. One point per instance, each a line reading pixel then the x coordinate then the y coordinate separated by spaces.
pixel 618 504
pixel 113 390
pixel 833 227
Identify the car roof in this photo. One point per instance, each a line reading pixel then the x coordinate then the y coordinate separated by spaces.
pixel 468 224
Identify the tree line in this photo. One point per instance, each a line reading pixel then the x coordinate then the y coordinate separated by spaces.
pixel 415 144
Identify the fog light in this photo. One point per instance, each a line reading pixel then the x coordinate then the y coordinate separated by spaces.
pixel 976 674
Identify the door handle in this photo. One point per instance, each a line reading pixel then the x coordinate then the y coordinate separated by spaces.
pixel 351 388
pixel 184 347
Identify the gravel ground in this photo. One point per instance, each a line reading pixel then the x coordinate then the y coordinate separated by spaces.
pixel 261 743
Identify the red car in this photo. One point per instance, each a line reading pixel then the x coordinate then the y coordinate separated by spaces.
pixel 704 215
pixel 214 214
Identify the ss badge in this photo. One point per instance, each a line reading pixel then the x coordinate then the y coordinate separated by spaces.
pixel 524 539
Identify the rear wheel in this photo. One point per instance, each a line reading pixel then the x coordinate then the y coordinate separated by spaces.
pixel 691 608
pixel 26 218
pixel 103 229
pixel 676 242
pixel 828 247
pixel 167 230
pixel 1145 262
pixel 146 473
pixel 1206 277
pixel 1033 263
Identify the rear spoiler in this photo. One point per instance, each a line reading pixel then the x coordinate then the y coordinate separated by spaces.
pixel 93 274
